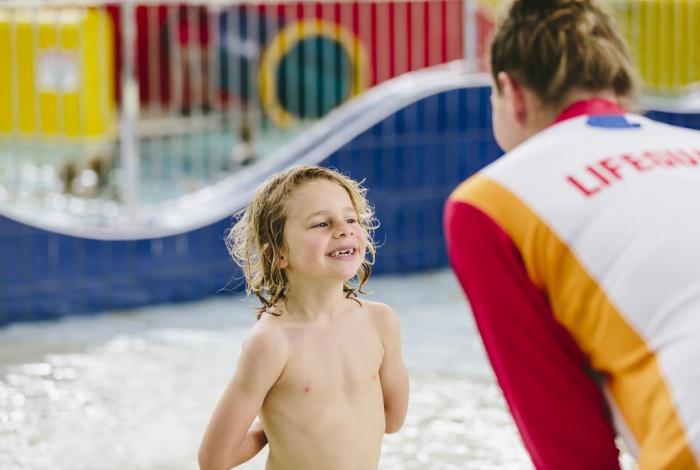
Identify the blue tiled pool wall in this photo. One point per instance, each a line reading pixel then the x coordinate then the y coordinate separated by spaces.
pixel 677 119
pixel 410 162
pixel 44 275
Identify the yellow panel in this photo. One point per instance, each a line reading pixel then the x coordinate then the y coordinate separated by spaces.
pixel 5 78
pixel 664 40
pixel 63 58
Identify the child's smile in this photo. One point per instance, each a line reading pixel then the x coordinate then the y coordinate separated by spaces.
pixel 343 253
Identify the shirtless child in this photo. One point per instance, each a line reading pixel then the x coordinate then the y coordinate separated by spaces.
pixel 321 368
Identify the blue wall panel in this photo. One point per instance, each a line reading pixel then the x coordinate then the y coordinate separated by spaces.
pixel 410 162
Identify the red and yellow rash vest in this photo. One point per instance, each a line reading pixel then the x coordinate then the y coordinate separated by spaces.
pixel 579 252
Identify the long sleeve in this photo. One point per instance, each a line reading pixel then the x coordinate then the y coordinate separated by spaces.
pixel 557 405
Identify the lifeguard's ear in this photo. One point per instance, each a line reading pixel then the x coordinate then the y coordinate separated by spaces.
pixel 514 95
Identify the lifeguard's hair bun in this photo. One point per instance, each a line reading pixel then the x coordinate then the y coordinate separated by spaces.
pixel 545 4
pixel 556 46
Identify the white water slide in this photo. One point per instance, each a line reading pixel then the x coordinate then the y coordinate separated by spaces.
pixel 224 198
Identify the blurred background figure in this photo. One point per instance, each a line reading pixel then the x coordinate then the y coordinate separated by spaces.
pixel 243 152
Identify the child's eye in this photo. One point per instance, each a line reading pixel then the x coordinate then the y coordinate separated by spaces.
pixel 320 224
pixel 351 221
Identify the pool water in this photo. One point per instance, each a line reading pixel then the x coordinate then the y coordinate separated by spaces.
pixel 135 389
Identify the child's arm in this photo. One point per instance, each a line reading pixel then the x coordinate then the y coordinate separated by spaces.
pixel 229 439
pixel 392 372
pixel 255 440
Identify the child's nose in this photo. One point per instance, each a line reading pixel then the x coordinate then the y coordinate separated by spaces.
pixel 343 230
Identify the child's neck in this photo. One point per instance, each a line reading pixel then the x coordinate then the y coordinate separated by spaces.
pixel 310 302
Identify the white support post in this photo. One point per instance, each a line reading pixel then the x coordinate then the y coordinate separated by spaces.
pixel 129 113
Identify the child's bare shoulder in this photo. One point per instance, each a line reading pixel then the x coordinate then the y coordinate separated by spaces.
pixel 381 314
pixel 376 308
pixel 268 339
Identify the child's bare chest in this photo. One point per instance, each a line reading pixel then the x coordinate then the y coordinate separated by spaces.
pixel 329 382
pixel 342 358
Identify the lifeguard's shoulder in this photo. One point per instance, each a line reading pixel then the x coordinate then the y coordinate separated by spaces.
pixel 466 190
pixel 475 190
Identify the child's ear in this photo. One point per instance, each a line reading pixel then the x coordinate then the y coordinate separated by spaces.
pixel 282 263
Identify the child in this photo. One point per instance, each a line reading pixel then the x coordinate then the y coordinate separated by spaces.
pixel 321 368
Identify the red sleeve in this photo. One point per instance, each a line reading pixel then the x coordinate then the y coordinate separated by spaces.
pixel 558 408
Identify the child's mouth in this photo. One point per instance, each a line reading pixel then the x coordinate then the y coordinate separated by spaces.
pixel 343 253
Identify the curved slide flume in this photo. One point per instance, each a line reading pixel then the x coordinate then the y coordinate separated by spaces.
pixel 220 200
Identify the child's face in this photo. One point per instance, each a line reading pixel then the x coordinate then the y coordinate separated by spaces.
pixel 324 240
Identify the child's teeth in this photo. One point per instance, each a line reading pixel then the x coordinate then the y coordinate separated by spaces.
pixel 349 252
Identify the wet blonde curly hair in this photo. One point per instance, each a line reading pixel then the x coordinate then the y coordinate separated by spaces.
pixel 256 240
